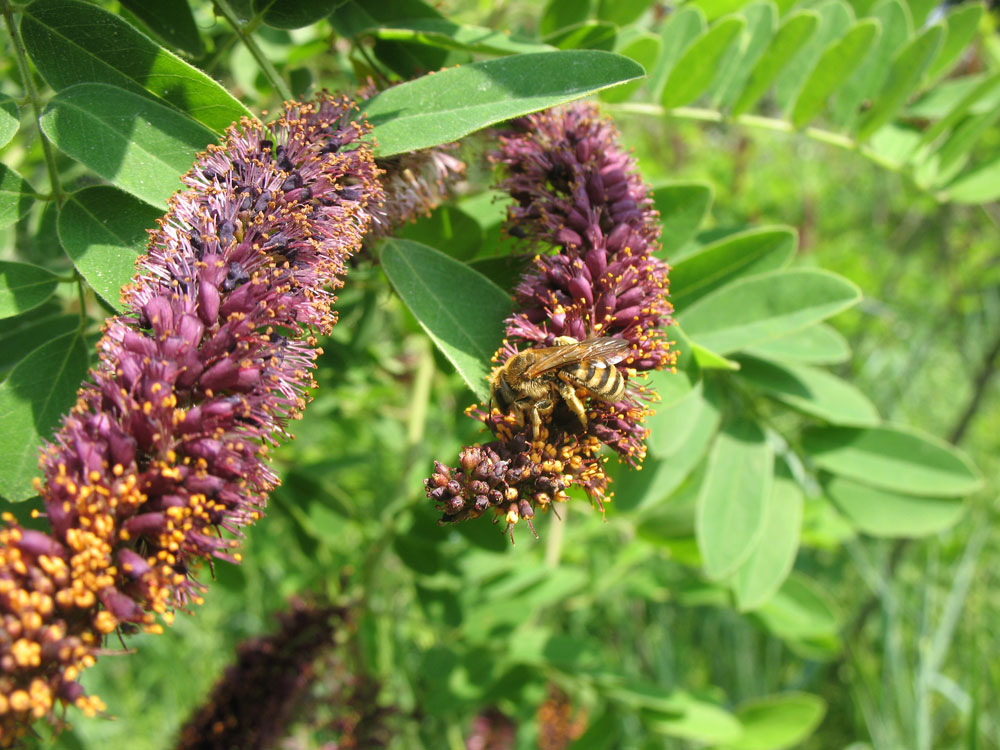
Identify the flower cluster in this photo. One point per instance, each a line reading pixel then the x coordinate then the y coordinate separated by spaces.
pixel 166 447
pixel 253 704
pixel 577 191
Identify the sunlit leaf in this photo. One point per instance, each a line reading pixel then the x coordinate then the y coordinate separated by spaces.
pixel 905 73
pixel 882 513
pixel 135 143
pixel 452 103
pixel 835 17
pixel 734 498
pixel 72 42
pixel 683 207
pixel 870 75
pixel 32 399
pixel 735 256
pixel 962 25
pixel 678 33
pixel 778 722
pixel 762 21
pixel 461 310
pixel 810 390
pixel 771 560
pixel 893 459
pixel 698 66
pixel 816 345
pixel 792 36
pixel 9 119
pixel 767 306
pixel 104 230
pixel 440 32
pixel 23 287
pixel 835 66
pixel 16 196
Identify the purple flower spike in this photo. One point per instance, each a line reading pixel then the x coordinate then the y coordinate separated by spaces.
pixel 166 445
pixel 574 189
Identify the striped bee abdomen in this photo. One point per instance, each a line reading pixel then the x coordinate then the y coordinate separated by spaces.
pixel 600 379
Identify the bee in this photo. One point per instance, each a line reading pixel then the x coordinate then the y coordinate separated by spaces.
pixel 527 384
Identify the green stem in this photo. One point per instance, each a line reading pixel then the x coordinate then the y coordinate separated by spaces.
pixel 21 56
pixel 773 124
pixel 258 54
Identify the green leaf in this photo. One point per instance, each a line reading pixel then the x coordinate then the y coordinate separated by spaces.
pixel 905 73
pixel 681 403
pixel 816 345
pixel 171 21
pixel 559 14
pixel 717 8
pixel 772 558
pixel 778 722
pixel 693 719
pixel 452 103
pixel 762 20
pixel 962 25
pixel 683 207
pixel 641 46
pixel 622 12
pixel 74 42
pixel 893 459
pixel 461 310
pixel 19 339
pixel 890 514
pixel 810 390
pixel 9 119
pixel 962 106
pixel 292 14
pixel 767 306
pixel 682 431
pixel 23 287
pixel 733 257
pixel 698 66
pixel 679 32
pixel 440 32
pixel 709 360
pixel 978 185
pixel 950 156
pixel 32 399
pixel 448 229
pixel 104 230
pixel 835 17
pixel 803 614
pixel 835 65
pixel 792 36
pixel 734 498
pixel 586 35
pixel 869 77
pixel 16 196
pixel 137 144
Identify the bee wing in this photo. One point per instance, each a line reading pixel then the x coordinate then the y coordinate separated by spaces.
pixel 597 349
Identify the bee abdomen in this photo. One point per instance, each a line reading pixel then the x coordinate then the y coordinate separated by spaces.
pixel 603 382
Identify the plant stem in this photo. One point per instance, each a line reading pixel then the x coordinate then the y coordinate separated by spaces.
pixel 21 56
pixel 258 54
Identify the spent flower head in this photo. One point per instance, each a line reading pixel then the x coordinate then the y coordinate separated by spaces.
pixel 166 447
pixel 575 191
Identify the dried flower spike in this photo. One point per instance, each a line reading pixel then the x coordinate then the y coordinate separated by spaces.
pixel 574 189
pixel 166 447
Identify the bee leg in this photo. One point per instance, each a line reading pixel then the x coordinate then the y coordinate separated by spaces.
pixel 568 393
pixel 564 340
pixel 540 409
